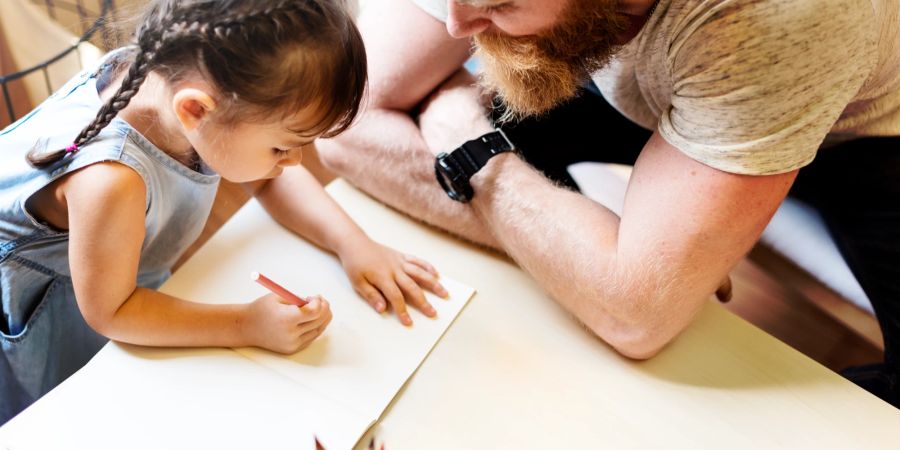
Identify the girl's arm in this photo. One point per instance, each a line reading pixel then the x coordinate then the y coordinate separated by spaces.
pixel 106 214
pixel 380 275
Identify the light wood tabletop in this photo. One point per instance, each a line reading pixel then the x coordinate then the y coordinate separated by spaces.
pixel 516 371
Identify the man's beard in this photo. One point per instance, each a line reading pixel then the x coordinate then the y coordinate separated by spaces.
pixel 531 75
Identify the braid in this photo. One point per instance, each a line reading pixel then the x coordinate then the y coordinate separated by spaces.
pixel 232 43
pixel 149 46
pixel 136 75
pixel 275 14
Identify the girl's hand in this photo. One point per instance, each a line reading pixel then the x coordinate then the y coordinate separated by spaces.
pixel 273 323
pixel 383 276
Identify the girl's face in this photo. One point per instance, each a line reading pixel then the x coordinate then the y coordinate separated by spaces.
pixel 249 151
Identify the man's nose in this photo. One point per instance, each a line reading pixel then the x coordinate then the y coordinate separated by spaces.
pixel 464 20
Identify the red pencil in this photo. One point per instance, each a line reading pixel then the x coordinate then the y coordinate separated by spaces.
pixel 277 289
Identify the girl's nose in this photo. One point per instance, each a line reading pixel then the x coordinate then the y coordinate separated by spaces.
pixel 293 157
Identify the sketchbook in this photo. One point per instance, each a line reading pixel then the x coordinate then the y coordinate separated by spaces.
pixel 335 389
pixel 363 358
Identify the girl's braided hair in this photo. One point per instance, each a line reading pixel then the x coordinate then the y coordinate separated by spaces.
pixel 263 56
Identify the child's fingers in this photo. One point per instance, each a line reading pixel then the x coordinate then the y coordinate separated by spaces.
pixel 414 294
pixel 324 325
pixel 314 310
pixel 308 337
pixel 278 298
pixel 392 293
pixel 425 279
pixel 320 322
pixel 372 296
pixel 421 263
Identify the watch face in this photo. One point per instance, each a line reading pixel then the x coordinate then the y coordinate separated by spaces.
pixel 452 180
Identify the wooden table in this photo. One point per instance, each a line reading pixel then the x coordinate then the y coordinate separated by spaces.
pixel 517 371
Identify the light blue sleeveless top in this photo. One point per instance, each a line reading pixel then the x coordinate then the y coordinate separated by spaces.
pixel 43 336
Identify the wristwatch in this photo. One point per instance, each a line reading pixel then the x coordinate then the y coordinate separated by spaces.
pixel 454 169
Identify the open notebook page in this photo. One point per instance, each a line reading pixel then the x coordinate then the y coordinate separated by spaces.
pixel 151 398
pixel 363 358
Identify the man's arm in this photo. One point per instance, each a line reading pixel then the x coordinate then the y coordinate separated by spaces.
pixel 410 54
pixel 636 281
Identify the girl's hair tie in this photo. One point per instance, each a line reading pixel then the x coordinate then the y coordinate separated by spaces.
pixel 72 148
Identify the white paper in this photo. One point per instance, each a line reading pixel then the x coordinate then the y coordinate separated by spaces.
pixel 363 358
pixel 145 398
pixel 150 398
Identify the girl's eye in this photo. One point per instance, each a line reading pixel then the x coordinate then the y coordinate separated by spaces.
pixel 280 152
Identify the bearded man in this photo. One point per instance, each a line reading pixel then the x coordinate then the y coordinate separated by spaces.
pixel 724 107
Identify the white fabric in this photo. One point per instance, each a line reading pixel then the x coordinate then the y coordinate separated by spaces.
pixel 798 233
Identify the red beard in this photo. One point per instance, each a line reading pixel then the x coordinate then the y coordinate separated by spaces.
pixel 533 74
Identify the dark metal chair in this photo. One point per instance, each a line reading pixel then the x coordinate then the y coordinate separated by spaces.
pixel 91 22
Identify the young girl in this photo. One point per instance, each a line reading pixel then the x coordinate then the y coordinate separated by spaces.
pixel 95 207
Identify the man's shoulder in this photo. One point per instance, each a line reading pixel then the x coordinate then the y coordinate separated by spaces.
pixel 688 14
pixel 737 29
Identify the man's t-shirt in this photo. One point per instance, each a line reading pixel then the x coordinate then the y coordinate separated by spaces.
pixel 757 86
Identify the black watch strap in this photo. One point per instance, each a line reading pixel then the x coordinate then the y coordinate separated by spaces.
pixel 454 170
pixel 476 153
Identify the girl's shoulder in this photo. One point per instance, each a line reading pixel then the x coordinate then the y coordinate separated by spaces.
pixel 105 186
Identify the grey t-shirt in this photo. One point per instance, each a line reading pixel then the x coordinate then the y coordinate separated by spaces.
pixel 755 87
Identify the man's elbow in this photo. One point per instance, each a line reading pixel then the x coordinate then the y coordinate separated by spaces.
pixel 641 348
pixel 640 336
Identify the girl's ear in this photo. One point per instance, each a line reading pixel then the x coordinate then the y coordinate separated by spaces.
pixel 192 106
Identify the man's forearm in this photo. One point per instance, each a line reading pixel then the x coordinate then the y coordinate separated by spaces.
pixel 569 244
pixel 564 240
pixel 385 155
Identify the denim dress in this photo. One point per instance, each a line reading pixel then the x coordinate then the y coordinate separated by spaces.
pixel 43 336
